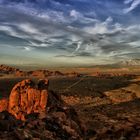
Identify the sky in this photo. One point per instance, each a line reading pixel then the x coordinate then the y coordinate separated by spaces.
pixel 69 32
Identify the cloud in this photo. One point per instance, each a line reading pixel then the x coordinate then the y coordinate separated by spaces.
pixel 79 54
pixel 127 1
pixel 85 54
pixel 27 48
pixel 78 46
pixel 43 35
pixel 134 4
pixel 75 14
pixel 38 29
pixel 27 27
pixel 82 18
pixel 32 28
pixel 104 27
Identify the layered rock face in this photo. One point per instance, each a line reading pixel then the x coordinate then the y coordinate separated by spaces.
pixel 45 115
pixel 45 73
pixel 20 73
pixel 3 104
pixel 27 97
pixel 36 73
pixel 7 69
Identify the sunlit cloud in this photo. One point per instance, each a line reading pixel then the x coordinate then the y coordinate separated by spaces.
pixel 134 4
pixel 69 29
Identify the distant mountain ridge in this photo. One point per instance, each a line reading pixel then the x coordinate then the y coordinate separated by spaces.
pixel 120 64
pixel 131 62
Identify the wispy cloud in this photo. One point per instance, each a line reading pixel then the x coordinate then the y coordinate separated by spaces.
pixel 134 4
pixel 27 48
pixel 68 29
pixel 127 1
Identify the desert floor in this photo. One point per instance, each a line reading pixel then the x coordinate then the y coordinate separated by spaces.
pixel 107 105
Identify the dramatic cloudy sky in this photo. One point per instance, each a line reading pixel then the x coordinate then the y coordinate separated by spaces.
pixel 69 32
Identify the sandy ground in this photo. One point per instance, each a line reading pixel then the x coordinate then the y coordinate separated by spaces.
pixel 102 101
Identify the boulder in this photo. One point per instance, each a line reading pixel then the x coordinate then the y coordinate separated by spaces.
pixel 27 97
pixel 20 73
pixel 39 73
pixel 3 105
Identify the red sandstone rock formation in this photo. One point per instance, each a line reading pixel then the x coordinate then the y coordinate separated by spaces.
pixel 37 73
pixel 45 73
pixel 26 97
pixel 7 69
pixel 3 104
pixel 40 73
pixel 45 115
pixel 72 74
pixel 20 73
pixel 57 73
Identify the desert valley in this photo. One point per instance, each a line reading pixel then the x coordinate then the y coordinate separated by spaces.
pixel 44 104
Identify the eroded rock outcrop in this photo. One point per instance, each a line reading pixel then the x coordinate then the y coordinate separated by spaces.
pixel 72 74
pixel 20 73
pixel 45 73
pixel 27 97
pixel 7 69
pixel 45 115
pixel 42 73
pixel 3 104
pixel 60 123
